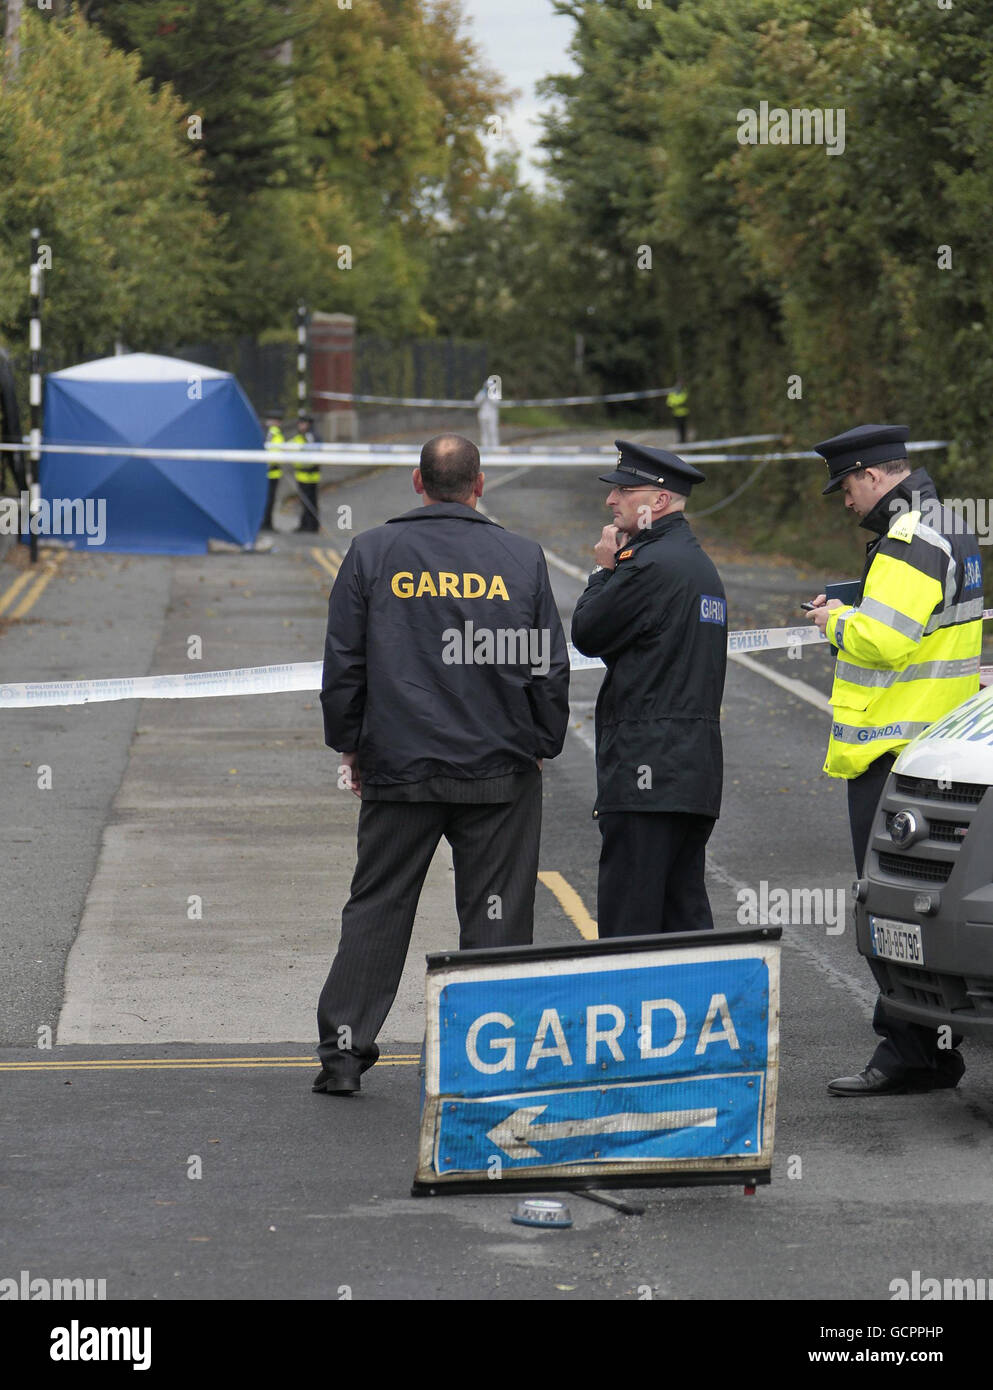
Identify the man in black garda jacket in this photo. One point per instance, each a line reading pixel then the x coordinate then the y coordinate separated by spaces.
pixel 446 683
pixel 655 611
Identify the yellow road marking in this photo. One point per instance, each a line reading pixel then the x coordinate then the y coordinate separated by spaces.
pixel 328 559
pixel 571 903
pixel 10 593
pixel 40 583
pixel 191 1063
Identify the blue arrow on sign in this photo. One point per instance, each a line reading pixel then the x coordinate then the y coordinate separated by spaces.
pixel 692 1118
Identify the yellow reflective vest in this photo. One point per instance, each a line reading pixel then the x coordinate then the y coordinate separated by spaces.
pixel 306 472
pixel 274 437
pixel 678 402
pixel 908 650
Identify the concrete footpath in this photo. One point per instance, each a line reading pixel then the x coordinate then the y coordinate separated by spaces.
pixel 215 907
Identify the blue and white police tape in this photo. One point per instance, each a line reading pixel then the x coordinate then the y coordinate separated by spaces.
pixel 306 675
pixel 378 455
pixel 351 398
pixel 192 685
pixel 403 455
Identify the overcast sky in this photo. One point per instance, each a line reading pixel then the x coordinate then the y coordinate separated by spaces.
pixel 524 40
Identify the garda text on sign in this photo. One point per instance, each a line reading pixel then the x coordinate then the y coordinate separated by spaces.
pixel 639 1061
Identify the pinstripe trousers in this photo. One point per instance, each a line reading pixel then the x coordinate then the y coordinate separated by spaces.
pixel 495 855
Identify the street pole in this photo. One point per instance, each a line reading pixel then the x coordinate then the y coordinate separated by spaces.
pixel 34 455
pixel 12 40
pixel 301 358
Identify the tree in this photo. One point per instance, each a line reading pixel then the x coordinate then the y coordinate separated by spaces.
pixel 864 273
pixel 392 102
pixel 882 323
pixel 100 163
pixel 227 60
pixel 507 273
pixel 323 128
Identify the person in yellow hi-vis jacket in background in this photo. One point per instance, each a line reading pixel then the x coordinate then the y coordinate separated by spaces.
pixel 678 402
pixel 307 476
pixel 908 653
pixel 274 438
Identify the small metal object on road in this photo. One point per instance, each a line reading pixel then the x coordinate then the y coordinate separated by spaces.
pixel 541 1213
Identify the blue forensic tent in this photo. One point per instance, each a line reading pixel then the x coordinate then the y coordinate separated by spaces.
pixel 169 506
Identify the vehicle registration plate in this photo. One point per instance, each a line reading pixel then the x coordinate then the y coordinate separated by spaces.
pixel 896 940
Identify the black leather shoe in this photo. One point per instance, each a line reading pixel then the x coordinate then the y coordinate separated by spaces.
pixel 336 1085
pixel 868 1083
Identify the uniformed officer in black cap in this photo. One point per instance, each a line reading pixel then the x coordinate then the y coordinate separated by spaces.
pixel 908 653
pixel 655 611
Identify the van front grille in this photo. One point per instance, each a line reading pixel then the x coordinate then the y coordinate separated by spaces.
pixel 921 870
pixel 965 793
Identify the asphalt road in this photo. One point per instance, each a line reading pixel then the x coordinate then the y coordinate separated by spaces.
pixel 232 802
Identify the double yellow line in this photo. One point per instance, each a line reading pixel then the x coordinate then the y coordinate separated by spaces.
pixel 328 559
pixel 23 581
pixel 397 1059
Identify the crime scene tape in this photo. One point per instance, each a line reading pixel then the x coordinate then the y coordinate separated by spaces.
pixel 192 685
pixel 306 675
pixel 691 445
pixel 497 400
pixel 331 455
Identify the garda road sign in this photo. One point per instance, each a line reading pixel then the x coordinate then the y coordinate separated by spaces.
pixel 638 1061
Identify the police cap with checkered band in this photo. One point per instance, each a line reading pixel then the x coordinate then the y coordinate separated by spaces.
pixel 861 447
pixel 639 466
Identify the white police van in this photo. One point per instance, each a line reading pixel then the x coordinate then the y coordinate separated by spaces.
pixel 924 906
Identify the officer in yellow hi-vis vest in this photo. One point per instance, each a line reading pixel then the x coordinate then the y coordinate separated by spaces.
pixel 908 652
pixel 307 476
pixel 274 437
pixel 678 401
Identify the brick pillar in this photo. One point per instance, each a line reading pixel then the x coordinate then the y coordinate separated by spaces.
pixel 332 346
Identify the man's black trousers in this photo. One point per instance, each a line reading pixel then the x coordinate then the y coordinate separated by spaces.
pixel 272 485
pixel 905 1047
pixel 651 873
pixel 309 517
pixel 495 854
